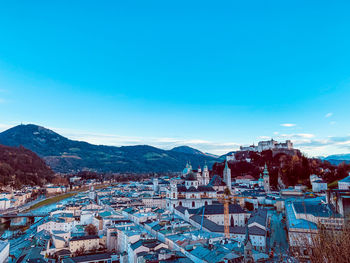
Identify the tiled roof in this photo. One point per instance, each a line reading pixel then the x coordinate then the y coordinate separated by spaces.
pixel 345 180
pixel 93 257
pixel 84 238
pixel 217 209
pixel 245 177
pixel 317 209
pixel 259 216
pixel 201 188
pixel 150 243
pixel 191 177
pixel 217 181
pixel 239 230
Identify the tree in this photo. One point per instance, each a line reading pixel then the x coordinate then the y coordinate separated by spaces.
pixel 329 246
pixel 91 230
pixel 80 251
pixel 249 206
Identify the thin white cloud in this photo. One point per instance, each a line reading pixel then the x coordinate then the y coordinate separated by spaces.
pixel 264 137
pixel 167 143
pixel 329 114
pixel 297 135
pixel 288 124
pixel 4 127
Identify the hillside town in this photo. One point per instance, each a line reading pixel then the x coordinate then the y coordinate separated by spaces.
pixel 192 216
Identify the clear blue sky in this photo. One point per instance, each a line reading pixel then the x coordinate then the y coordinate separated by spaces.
pixel 210 74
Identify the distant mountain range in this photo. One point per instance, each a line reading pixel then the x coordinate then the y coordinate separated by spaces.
pixel 338 158
pixel 69 156
pixel 190 150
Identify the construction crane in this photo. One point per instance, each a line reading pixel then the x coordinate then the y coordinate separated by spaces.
pixel 202 218
pixel 227 199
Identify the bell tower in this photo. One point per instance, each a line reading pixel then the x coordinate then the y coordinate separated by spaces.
pixel 227 175
pixel 205 175
pixel 266 179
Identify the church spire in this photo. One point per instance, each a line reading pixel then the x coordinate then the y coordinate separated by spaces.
pixel 248 247
pixel 266 179
pixel 227 175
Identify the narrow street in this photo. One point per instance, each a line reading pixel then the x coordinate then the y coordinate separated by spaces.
pixel 278 237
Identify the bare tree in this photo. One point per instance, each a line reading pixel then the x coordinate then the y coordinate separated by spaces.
pixel 91 230
pixel 328 246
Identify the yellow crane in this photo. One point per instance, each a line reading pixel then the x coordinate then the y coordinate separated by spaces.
pixel 227 199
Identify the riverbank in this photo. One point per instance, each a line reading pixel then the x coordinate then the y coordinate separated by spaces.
pixel 58 198
pixel 51 200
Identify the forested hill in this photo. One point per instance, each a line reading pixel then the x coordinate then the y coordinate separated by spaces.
pixel 20 166
pixel 292 169
pixel 68 156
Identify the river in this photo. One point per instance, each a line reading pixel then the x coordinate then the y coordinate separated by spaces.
pixel 18 243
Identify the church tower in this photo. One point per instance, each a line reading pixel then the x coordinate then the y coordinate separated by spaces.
pixel 155 185
pixel 205 175
pixel 261 181
pixel 173 190
pixel 227 175
pixel 248 247
pixel 266 180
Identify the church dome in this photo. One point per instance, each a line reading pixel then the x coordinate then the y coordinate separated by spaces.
pixel 191 177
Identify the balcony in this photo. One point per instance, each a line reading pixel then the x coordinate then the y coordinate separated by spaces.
pixel 181 196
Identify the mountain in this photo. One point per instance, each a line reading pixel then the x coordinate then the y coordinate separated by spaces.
pixel 68 156
pixel 20 166
pixel 338 158
pixel 190 150
pixel 343 157
pixel 187 149
pixel 212 155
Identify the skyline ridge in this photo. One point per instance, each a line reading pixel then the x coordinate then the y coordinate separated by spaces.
pixel 161 142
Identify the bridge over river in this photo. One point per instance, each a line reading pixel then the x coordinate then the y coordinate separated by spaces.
pixel 30 216
pixel 15 215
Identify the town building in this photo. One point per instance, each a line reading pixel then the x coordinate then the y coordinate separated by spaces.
pixel 344 184
pixel 192 191
pixel 319 186
pixel 84 243
pixel 303 219
pixel 4 251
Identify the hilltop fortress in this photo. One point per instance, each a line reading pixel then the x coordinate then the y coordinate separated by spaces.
pixel 268 145
pixel 276 148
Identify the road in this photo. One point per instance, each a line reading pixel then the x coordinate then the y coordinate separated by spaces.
pixel 278 236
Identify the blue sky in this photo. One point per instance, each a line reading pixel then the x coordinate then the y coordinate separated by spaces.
pixel 212 75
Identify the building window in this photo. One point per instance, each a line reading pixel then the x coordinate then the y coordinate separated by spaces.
pixel 180 203
pixel 193 204
pixel 206 203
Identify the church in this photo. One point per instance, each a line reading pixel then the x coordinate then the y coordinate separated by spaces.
pixel 192 190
